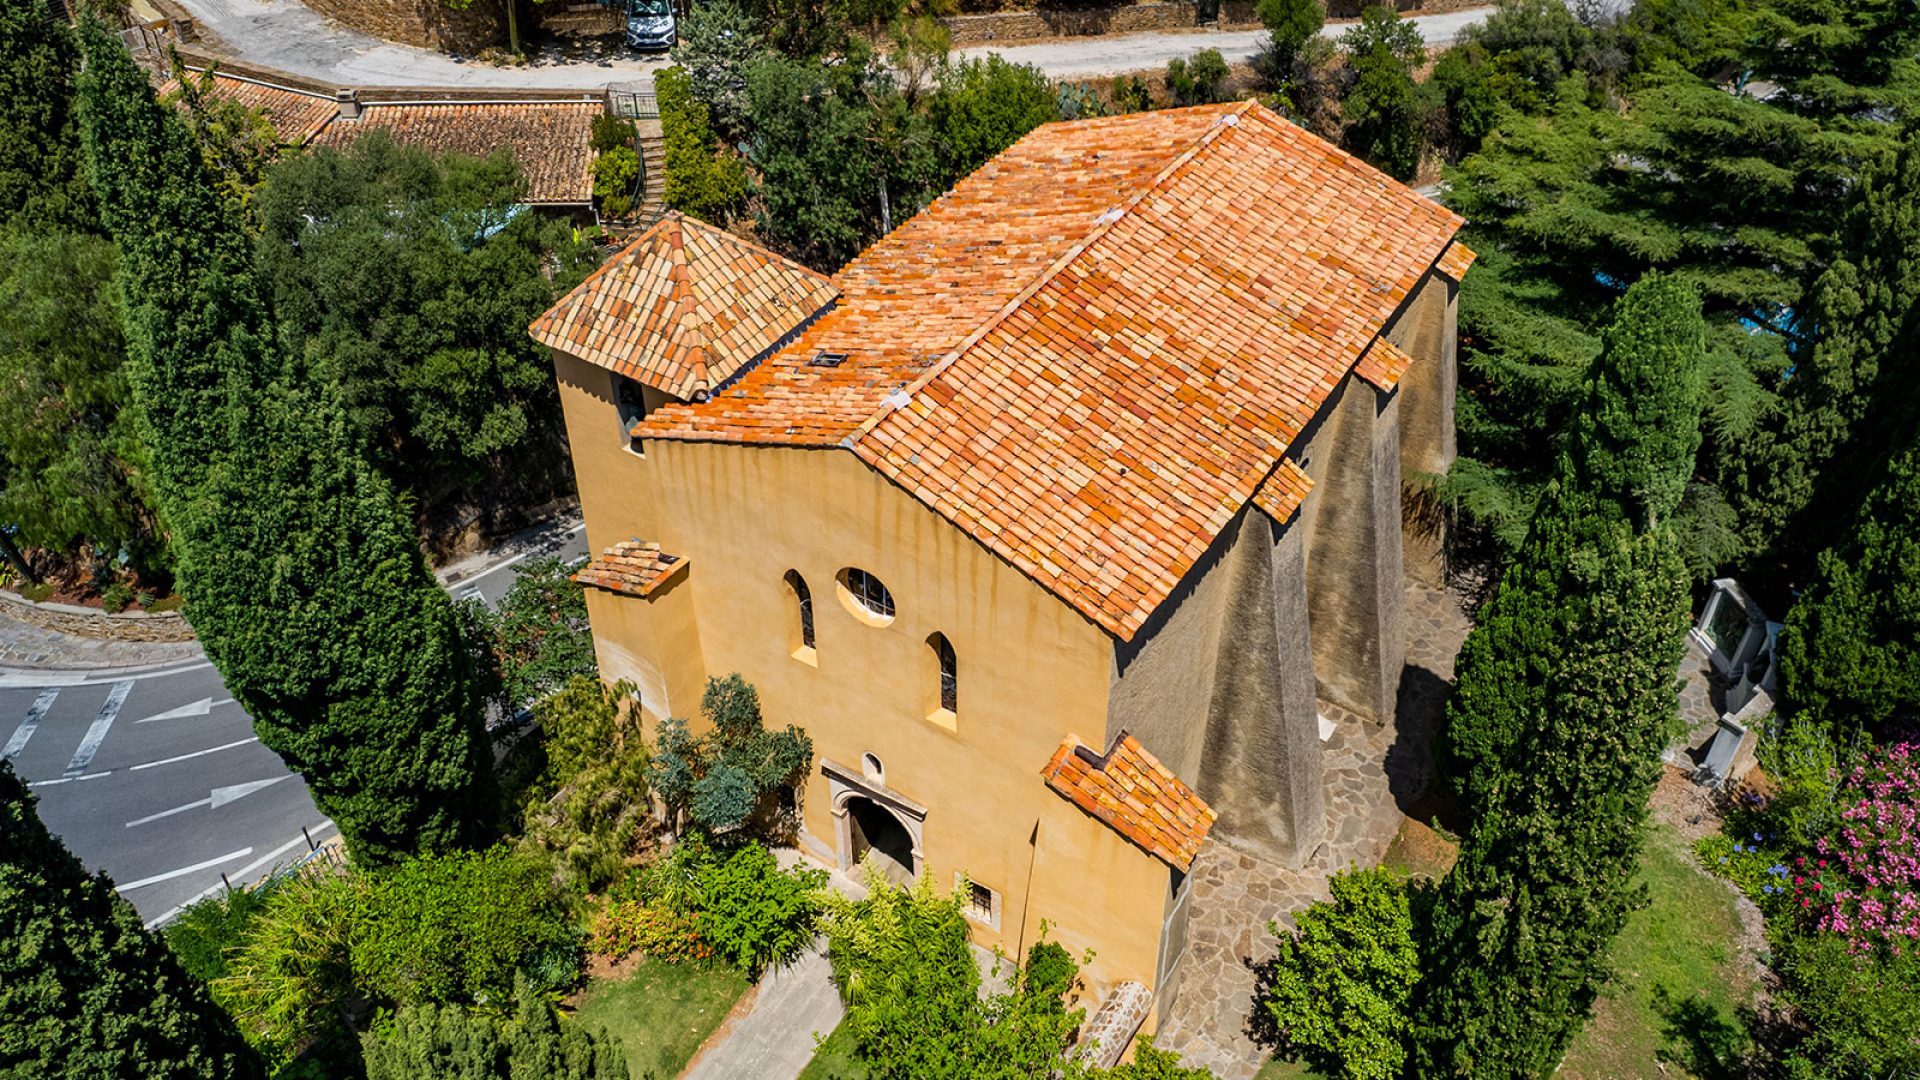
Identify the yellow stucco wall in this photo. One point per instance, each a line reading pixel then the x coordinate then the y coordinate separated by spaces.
pixel 1031 669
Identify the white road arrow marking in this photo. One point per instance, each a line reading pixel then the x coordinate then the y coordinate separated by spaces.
pixel 219 797
pixel 192 708
pixel 97 731
pixel 21 734
pixel 185 870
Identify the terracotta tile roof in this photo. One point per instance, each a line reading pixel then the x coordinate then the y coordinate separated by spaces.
pixel 1455 260
pixel 1382 364
pixel 1133 793
pixel 1092 352
pixel 550 139
pixel 684 308
pixel 296 115
pixel 631 567
pixel 1283 491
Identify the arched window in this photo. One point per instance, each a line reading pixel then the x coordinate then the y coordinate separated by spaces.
pixel 949 671
pixel 803 597
pixel 866 596
pixel 871 768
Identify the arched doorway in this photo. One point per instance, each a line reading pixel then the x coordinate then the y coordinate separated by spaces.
pixel 875 830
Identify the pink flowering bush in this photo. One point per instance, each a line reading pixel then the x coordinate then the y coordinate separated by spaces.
pixel 1862 880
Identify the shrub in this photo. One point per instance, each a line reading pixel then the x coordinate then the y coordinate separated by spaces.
pixel 628 926
pixel 617 176
pixel 452 1043
pixel 701 180
pixel 454 928
pixel 287 982
pixel 588 806
pixel 1858 1013
pixel 116 598
pixel 206 933
pixel 1386 112
pixel 611 132
pixel 1341 984
pixel 1862 880
pixel 1198 80
pixel 755 914
pixel 719 780
pixel 984 106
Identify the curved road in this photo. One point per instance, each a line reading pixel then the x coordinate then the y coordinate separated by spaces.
pixel 155 775
pixel 287 35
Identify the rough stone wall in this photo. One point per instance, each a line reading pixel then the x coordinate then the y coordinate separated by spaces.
pixel 86 622
pixel 1425 330
pixel 428 24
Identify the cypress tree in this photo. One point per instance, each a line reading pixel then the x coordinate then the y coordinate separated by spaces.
pixel 41 180
pixel 1850 392
pixel 1850 651
pixel 86 991
pixel 1628 459
pixel 300 568
pixel 1566 694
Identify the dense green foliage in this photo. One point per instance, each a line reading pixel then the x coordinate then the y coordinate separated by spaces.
pixel 1386 114
pixel 86 991
pixel 454 1043
pixel 587 808
pixel 450 929
pixel 1340 986
pixel 1200 79
pixel 1566 696
pixel 303 577
pixel 538 634
pixel 70 459
pixel 701 902
pixel 1858 1014
pixel 702 180
pixel 1850 651
pixel 204 934
pixel 42 179
pixel 720 779
pixel 981 107
pixel 394 276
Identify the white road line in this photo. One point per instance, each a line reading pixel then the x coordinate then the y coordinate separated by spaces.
pixel 17 679
pixel 195 754
pixel 184 871
pixel 194 805
pixel 241 875
pixel 191 708
pixel 25 731
pixel 97 731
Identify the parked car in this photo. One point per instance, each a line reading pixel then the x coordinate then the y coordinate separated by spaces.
pixel 650 25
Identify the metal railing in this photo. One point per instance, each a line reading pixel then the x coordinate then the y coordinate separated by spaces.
pixel 633 104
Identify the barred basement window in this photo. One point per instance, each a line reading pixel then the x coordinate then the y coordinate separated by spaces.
pixel 982 903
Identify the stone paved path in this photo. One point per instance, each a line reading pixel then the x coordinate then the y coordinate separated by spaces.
pixel 1373 771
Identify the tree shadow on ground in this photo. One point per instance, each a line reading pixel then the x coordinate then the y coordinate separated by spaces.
pixel 1701 1039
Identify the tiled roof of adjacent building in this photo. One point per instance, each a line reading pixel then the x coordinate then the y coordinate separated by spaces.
pixel 631 567
pixel 552 140
pixel 1455 260
pixel 1138 797
pixel 296 115
pixel 1093 351
pixel 684 308
pixel 1284 490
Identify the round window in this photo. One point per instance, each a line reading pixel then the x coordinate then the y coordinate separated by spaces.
pixel 866 597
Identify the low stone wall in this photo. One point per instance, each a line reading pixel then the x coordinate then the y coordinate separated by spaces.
pixel 91 623
pixel 428 24
pixel 1142 17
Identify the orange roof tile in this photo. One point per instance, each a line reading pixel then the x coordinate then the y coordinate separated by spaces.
pixel 1382 364
pixel 631 567
pixel 550 139
pixel 1455 260
pixel 1092 352
pixel 296 115
pixel 1138 797
pixel 1283 491
pixel 684 308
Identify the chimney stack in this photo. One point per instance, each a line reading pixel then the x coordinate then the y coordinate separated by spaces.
pixel 349 102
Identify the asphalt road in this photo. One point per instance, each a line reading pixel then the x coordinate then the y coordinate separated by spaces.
pixel 156 776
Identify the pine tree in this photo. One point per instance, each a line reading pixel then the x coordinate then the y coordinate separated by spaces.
pixel 302 575
pixel 86 991
pixel 1850 652
pixel 41 179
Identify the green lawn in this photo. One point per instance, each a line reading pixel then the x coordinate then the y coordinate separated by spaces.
pixel 1678 984
pixel 662 1012
pixel 834 1059
pixel 1275 1069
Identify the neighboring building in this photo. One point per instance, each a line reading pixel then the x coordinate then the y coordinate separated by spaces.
pixel 1049 517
